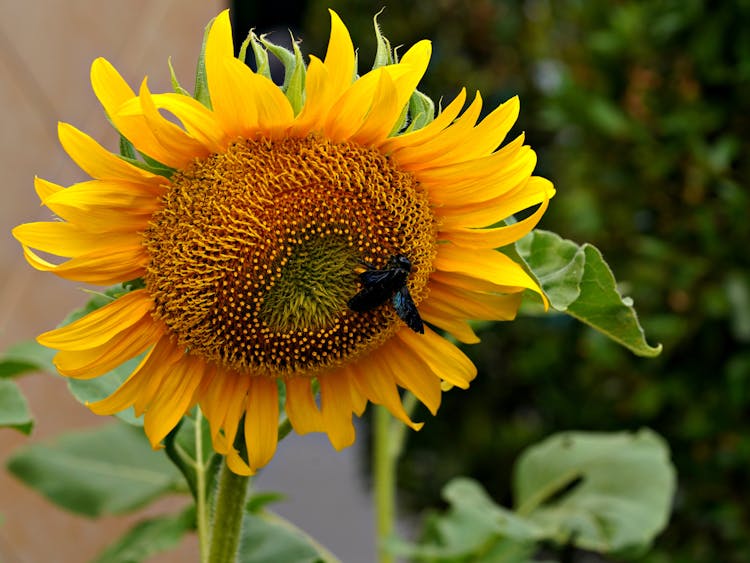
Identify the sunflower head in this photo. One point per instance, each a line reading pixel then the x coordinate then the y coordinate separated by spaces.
pixel 281 236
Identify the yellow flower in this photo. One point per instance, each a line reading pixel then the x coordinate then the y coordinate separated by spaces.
pixel 250 251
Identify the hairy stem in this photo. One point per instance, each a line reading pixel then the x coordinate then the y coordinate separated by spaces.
pixel 228 514
pixel 201 506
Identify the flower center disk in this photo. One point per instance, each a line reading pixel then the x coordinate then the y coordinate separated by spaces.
pixel 255 252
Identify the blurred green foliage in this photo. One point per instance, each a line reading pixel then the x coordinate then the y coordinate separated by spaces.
pixel 640 114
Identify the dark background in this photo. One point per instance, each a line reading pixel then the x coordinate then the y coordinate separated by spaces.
pixel 639 114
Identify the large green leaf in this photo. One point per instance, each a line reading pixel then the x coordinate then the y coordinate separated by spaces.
pixel 149 538
pixel 109 470
pixel 604 492
pixel 14 410
pixel 26 357
pixel 473 529
pixel 268 538
pixel 578 281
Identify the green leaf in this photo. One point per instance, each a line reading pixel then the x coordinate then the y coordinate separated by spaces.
pixel 178 89
pixel 578 282
pixel 149 538
pixel 421 110
pixel 383 51
pixel 258 501
pixel 267 537
pixel 261 55
pixel 201 92
pixel 25 357
pixel 474 528
pixel 150 165
pixel 126 147
pixel 14 410
pixel 602 492
pixel 294 87
pixel 109 470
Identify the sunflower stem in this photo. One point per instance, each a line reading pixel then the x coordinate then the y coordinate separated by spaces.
pixel 228 514
pixel 384 466
pixel 201 506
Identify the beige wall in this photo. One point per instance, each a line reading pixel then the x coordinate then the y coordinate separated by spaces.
pixel 46 48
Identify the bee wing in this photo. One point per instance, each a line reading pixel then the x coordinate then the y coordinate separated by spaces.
pixel 407 310
pixel 368 298
pixel 379 277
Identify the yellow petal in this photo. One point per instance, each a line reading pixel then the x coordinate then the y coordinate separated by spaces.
pixel 377 123
pixel 127 197
pixel 484 264
pixel 416 60
pixel 231 109
pixel 176 147
pixel 45 189
pixel 219 45
pixel 65 239
pixel 531 192
pixel 427 133
pixel 427 154
pixel 235 405
pixel 444 359
pixel 102 206
pixel 173 399
pixel 213 401
pixel 491 131
pixel 197 119
pixel 163 356
pixel 237 464
pixel 449 322
pixel 99 163
pixel 272 111
pixel 113 93
pixel 413 374
pixel 109 86
pixel 261 420
pixel 339 59
pixel 375 379
pixel 395 86
pixel 319 98
pixel 473 305
pixel 300 406
pixel 101 325
pixel 336 407
pixel 142 384
pixel 487 135
pixel 497 237
pixel 107 267
pixel 358 101
pixel 478 180
pixel 223 404
pixel 87 364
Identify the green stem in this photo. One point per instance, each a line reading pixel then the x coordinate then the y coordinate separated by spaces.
pixel 228 514
pixel 384 469
pixel 389 439
pixel 284 429
pixel 201 506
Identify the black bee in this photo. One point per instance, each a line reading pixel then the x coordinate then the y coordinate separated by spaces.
pixel 389 283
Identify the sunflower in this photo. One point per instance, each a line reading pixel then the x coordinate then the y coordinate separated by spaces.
pixel 256 218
